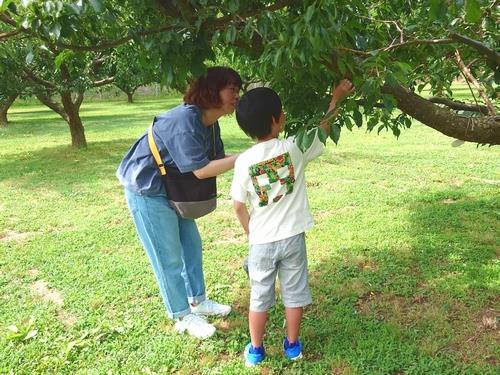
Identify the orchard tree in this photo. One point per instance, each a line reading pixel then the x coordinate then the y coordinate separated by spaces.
pixel 132 68
pixel 12 85
pixel 10 88
pixel 395 51
pixel 58 77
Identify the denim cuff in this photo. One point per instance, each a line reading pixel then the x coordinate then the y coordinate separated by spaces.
pixel 197 300
pixel 180 314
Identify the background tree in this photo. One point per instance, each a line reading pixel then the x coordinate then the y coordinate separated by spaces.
pixel 58 76
pixel 10 88
pixel 11 85
pixel 132 68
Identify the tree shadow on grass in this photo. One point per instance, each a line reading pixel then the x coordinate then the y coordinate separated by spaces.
pixel 62 167
pixel 431 304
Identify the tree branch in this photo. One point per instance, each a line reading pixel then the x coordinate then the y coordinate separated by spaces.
pixel 395 46
pixel 459 106
pixel 30 75
pixel 103 82
pixel 4 17
pixel 223 21
pixel 484 129
pixel 466 72
pixel 9 34
pixel 56 107
pixel 480 47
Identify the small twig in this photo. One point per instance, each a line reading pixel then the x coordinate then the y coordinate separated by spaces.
pixel 470 78
pixel 9 34
pixel 395 23
pixel 395 46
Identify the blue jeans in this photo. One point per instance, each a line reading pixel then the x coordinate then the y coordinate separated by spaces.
pixel 173 246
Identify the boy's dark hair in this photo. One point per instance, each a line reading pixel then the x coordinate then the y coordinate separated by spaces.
pixel 255 112
pixel 204 91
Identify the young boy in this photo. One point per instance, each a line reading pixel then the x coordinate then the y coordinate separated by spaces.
pixel 270 178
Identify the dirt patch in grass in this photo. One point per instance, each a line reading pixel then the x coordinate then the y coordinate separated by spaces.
pixel 449 201
pixel 41 289
pixel 489 182
pixel 475 341
pixel 341 368
pixel 33 272
pixel 67 319
pixel 11 235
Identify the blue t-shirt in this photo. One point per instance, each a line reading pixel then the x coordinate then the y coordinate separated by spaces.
pixel 182 140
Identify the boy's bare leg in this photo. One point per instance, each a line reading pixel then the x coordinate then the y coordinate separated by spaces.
pixel 257 324
pixel 293 319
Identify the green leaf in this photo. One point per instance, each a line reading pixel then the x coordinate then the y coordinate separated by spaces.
pixel 299 137
pixel 308 139
pixel 63 56
pixel 55 31
pixel 358 118
pixel 309 13
pixel 233 5
pixel 472 11
pixel 4 4
pixel 30 334
pixel 335 133
pixel 29 57
pixel 97 5
pixel 73 8
pixel 230 34
pixel 437 10
pixel 322 135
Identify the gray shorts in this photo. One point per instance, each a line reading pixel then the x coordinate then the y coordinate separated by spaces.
pixel 286 258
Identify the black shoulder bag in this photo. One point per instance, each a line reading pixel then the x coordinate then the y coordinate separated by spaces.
pixel 190 196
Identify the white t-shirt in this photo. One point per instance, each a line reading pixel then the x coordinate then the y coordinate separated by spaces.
pixel 270 178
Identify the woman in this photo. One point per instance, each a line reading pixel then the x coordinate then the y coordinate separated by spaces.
pixel 186 137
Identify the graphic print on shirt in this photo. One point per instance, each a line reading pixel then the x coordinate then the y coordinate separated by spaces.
pixel 266 173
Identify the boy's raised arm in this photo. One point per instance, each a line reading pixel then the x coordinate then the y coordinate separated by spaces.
pixel 242 214
pixel 344 88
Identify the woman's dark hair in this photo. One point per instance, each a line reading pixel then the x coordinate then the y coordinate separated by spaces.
pixel 204 91
pixel 255 112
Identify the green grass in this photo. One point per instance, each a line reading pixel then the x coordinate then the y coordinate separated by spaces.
pixel 403 257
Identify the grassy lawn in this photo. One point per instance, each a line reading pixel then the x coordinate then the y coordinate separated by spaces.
pixel 404 257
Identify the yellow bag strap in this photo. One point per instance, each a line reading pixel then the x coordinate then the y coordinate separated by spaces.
pixel 155 152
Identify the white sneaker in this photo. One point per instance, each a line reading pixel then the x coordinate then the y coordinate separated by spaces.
pixel 196 326
pixel 209 307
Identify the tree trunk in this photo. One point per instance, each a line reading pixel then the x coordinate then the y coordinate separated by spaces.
pixel 74 121
pixel 4 108
pixel 130 97
pixel 484 129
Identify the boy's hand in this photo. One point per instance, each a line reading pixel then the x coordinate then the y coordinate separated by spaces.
pixel 344 88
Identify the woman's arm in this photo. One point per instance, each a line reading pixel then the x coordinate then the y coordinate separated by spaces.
pixel 242 214
pixel 216 167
